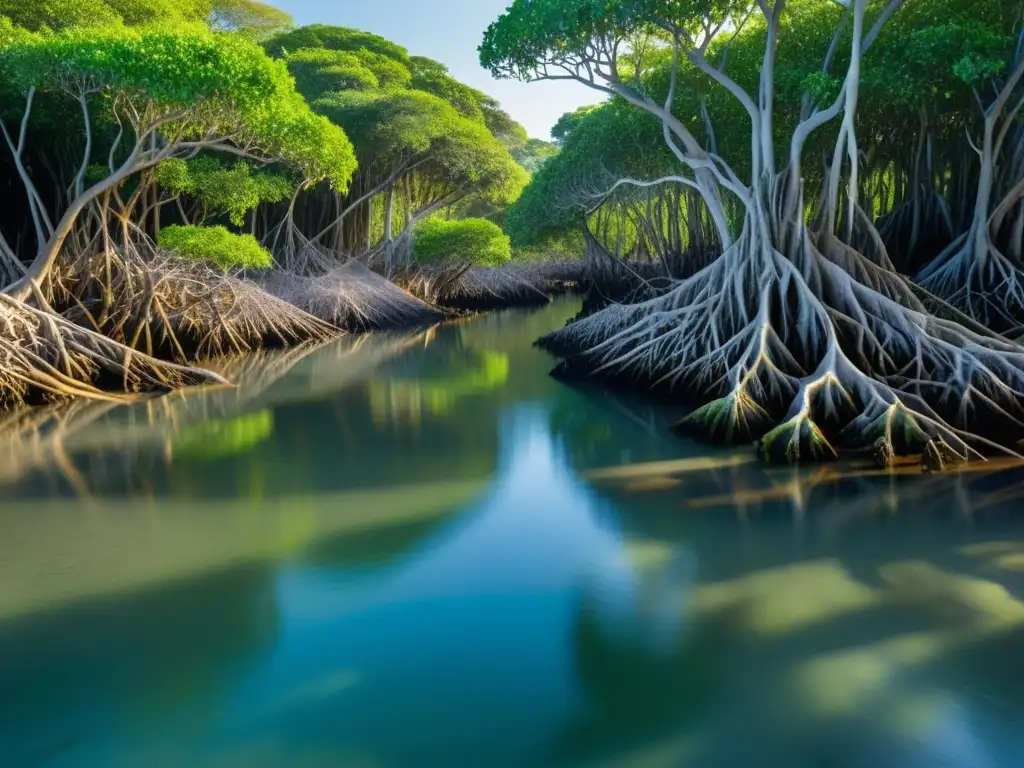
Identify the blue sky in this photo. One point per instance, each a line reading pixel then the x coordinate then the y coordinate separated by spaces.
pixel 449 31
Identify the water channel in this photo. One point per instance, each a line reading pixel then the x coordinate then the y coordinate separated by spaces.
pixel 422 550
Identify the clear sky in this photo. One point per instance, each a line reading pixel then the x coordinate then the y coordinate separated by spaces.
pixel 449 31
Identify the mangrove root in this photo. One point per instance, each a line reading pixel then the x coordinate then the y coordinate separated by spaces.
pixel 45 357
pixel 813 352
pixel 353 297
pixel 182 310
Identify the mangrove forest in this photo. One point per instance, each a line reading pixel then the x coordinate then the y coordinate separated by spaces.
pixel 803 220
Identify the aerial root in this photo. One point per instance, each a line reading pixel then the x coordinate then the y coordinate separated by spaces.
pixel 354 298
pixel 44 357
pixel 462 286
pixel 179 309
pixel 938 456
pixel 887 378
pixel 479 288
pixel 735 418
pixel 979 281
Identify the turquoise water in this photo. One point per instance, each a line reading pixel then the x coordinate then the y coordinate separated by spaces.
pixel 423 551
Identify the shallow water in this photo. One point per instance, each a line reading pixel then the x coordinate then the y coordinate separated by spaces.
pixel 424 551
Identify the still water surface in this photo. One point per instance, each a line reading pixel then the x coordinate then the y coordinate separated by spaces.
pixel 423 551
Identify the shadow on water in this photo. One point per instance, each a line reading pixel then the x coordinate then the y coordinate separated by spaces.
pixel 141 658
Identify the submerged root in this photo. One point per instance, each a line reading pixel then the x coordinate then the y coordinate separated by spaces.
pixel 179 309
pixel 354 298
pixel 815 353
pixel 44 357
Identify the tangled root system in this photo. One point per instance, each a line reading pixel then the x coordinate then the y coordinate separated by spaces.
pixel 465 287
pixel 179 309
pixel 810 353
pixel 45 357
pixel 355 298
pixel 973 276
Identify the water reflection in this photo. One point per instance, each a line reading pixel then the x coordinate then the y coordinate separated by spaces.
pixel 422 550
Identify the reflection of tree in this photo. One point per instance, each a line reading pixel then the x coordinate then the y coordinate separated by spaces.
pixel 472 374
pixel 377 546
pixel 103 447
pixel 822 501
pixel 635 692
pixel 601 426
pixel 230 437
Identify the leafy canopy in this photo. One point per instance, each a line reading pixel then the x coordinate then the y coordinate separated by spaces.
pixel 249 18
pixel 336 39
pixel 318 71
pixel 534 38
pixel 475 240
pixel 404 127
pixel 57 15
pixel 534 153
pixel 230 190
pixel 208 83
pixel 216 245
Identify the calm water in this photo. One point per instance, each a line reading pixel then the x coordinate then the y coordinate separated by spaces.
pixel 423 551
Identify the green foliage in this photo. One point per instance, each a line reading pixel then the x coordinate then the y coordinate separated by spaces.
pixel 318 71
pixel 216 245
pixel 231 190
pixel 476 240
pixel 252 19
pixel 930 56
pixel 336 39
pixel 390 74
pixel 391 128
pixel 38 15
pixel 532 33
pixel 57 15
pixel 325 70
pixel 568 122
pixel 592 157
pixel 432 77
pixel 219 83
pixel 219 439
pixel 534 153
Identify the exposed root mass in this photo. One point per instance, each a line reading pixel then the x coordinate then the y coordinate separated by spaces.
pixel 481 288
pixel 179 309
pixel 44 357
pixel 462 286
pixel 812 353
pixel 977 279
pixel 353 297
